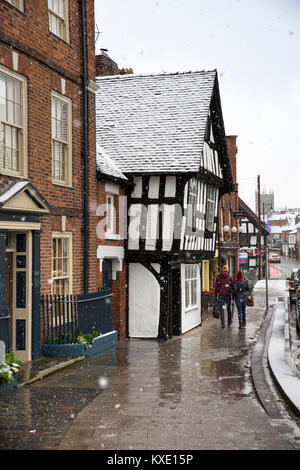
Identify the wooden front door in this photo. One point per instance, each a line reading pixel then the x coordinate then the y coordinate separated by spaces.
pixel 107 273
pixel 9 289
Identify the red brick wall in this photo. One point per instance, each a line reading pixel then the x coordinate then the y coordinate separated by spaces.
pixel 119 286
pixel 45 59
pixel 230 202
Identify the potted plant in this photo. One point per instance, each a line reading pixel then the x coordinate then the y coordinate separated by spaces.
pixel 9 369
pixel 204 299
pixel 87 345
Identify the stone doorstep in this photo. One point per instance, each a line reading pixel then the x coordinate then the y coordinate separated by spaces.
pixel 51 370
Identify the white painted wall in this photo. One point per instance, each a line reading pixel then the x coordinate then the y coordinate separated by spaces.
pixel 153 191
pixel 190 318
pixel 144 302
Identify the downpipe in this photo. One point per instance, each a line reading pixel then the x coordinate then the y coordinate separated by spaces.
pixel 85 148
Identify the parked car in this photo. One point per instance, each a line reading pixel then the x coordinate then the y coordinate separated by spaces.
pixel 294 284
pixel 298 314
pixel 274 258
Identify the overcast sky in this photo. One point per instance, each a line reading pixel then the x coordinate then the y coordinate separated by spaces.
pixel 255 47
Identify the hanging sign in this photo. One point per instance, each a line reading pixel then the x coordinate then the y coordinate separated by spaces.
pixel 239 215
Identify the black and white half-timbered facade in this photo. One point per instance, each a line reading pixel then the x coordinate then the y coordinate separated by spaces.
pixel 166 134
pixel 249 236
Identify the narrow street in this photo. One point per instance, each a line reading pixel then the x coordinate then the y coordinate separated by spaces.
pixel 191 392
pixel 283 269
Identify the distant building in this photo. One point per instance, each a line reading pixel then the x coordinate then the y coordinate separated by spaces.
pixel 266 202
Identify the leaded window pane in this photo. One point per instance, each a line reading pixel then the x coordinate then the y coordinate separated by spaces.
pixel 57 17
pixel 60 266
pixel 191 286
pixel 59 119
pixel 11 121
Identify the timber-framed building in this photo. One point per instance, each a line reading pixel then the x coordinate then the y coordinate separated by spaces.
pixel 166 134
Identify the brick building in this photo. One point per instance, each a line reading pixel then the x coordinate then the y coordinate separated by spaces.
pixel 228 225
pixel 47 159
pixel 111 230
pixel 111 236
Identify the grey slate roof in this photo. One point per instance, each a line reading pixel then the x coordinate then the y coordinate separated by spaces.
pixel 154 123
pixel 252 216
pixel 107 166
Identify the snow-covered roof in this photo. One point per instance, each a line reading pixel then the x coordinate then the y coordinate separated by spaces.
pixel 154 123
pixel 107 166
pixel 250 215
pixel 293 228
pixel 11 190
pixel 287 215
pixel 275 229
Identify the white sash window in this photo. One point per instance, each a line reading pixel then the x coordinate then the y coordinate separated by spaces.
pixel 13 125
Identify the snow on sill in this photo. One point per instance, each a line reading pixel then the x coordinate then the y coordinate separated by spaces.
pixel 112 236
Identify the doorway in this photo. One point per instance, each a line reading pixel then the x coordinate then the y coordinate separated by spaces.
pixel 176 301
pixel 107 273
pixel 19 292
pixel 9 291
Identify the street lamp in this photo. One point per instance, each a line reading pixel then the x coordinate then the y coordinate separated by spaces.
pixel 234 231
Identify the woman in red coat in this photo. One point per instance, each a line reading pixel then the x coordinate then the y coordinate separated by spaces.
pixel 223 291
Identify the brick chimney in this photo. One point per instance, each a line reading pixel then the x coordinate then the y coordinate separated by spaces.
pixel 232 151
pixel 105 65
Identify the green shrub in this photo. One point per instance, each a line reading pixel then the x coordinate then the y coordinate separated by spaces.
pixel 10 367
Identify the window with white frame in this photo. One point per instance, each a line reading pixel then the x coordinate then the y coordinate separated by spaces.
pixel 61 140
pixel 61 264
pixel 192 289
pixel 110 214
pixel 17 3
pixel 192 203
pixel 210 207
pixel 13 123
pixel 58 18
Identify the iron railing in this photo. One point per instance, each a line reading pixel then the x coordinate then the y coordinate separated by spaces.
pixel 63 318
pixel 5 328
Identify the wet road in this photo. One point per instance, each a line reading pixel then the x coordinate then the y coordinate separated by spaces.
pixel 193 392
pixel 282 270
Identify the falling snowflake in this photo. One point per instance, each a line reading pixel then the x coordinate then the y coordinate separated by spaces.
pixel 103 382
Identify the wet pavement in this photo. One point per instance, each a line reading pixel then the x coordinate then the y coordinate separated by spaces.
pixel 191 392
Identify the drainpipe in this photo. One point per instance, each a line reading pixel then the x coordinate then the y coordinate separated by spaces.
pixel 85 148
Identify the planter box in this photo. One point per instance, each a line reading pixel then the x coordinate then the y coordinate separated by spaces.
pixel 7 385
pixel 204 301
pixel 102 344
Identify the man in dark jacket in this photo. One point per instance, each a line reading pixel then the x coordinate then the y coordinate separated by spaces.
pixel 223 290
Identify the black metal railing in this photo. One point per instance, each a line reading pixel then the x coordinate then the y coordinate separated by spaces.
pixel 63 318
pixel 4 327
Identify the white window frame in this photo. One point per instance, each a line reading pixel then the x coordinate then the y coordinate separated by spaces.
pixel 68 236
pixel 19 4
pixel 111 223
pixel 210 207
pixel 23 128
pixel 192 203
pixel 68 144
pixel 221 223
pixel 192 286
pixel 64 19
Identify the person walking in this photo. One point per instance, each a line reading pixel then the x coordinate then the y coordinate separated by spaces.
pixel 223 291
pixel 240 289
